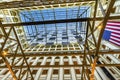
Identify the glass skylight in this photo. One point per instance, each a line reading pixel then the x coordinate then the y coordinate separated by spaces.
pixel 59 33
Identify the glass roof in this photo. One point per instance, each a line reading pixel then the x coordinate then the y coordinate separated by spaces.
pixel 54 14
pixel 59 33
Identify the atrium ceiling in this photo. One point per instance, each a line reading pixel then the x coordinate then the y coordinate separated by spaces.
pixel 40 36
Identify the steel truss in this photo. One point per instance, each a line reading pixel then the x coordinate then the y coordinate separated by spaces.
pixel 4 50
pixel 58 21
pixel 39 3
pixel 94 55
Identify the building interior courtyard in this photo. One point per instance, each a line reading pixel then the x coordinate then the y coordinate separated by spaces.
pixel 59 39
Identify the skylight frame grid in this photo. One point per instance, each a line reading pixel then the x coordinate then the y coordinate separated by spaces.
pixel 48 14
pixel 45 29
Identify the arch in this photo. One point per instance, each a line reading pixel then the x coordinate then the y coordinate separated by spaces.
pixel 41 57
pixel 49 57
pixel 66 60
pixel 57 57
pixel 73 56
pixel 65 57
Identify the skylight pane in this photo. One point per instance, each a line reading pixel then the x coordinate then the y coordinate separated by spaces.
pixel 59 33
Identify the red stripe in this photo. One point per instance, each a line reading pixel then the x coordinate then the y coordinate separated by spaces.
pixel 113 25
pixel 116 33
pixel 115 43
pixel 115 40
pixel 112 29
pixel 115 37
pixel 114 21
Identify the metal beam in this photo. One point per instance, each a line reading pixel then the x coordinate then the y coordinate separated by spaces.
pixel 2 55
pixel 22 52
pixel 104 22
pixel 58 21
pixel 85 52
pixel 8 37
pixel 93 36
pixel 111 3
pixel 55 25
pixel 58 66
pixel 101 52
pixel 93 23
pixel 101 7
pixel 36 3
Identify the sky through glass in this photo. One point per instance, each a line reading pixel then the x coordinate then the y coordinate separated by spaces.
pixel 60 33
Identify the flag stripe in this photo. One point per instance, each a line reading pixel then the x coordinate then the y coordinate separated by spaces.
pixel 113 25
pixel 115 39
pixel 114 42
pixel 113 30
pixel 113 22
pixel 115 35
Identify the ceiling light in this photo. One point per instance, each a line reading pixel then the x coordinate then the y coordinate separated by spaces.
pixel 100 27
pixel 5 52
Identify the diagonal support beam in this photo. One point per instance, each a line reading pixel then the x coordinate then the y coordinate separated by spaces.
pixel 3 57
pixel 84 57
pixel 22 52
pixel 104 22
pixel 101 7
pixel 110 6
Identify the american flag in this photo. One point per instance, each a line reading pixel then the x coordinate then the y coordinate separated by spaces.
pixel 112 32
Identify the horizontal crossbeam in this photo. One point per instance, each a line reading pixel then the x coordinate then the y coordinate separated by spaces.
pixel 57 21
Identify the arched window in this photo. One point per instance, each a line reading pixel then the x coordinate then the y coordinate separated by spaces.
pixel 57 59
pixel 74 60
pixel 66 60
pixel 48 60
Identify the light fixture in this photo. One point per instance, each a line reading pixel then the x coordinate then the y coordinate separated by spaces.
pixel 100 27
pixel 91 65
pixel 5 52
